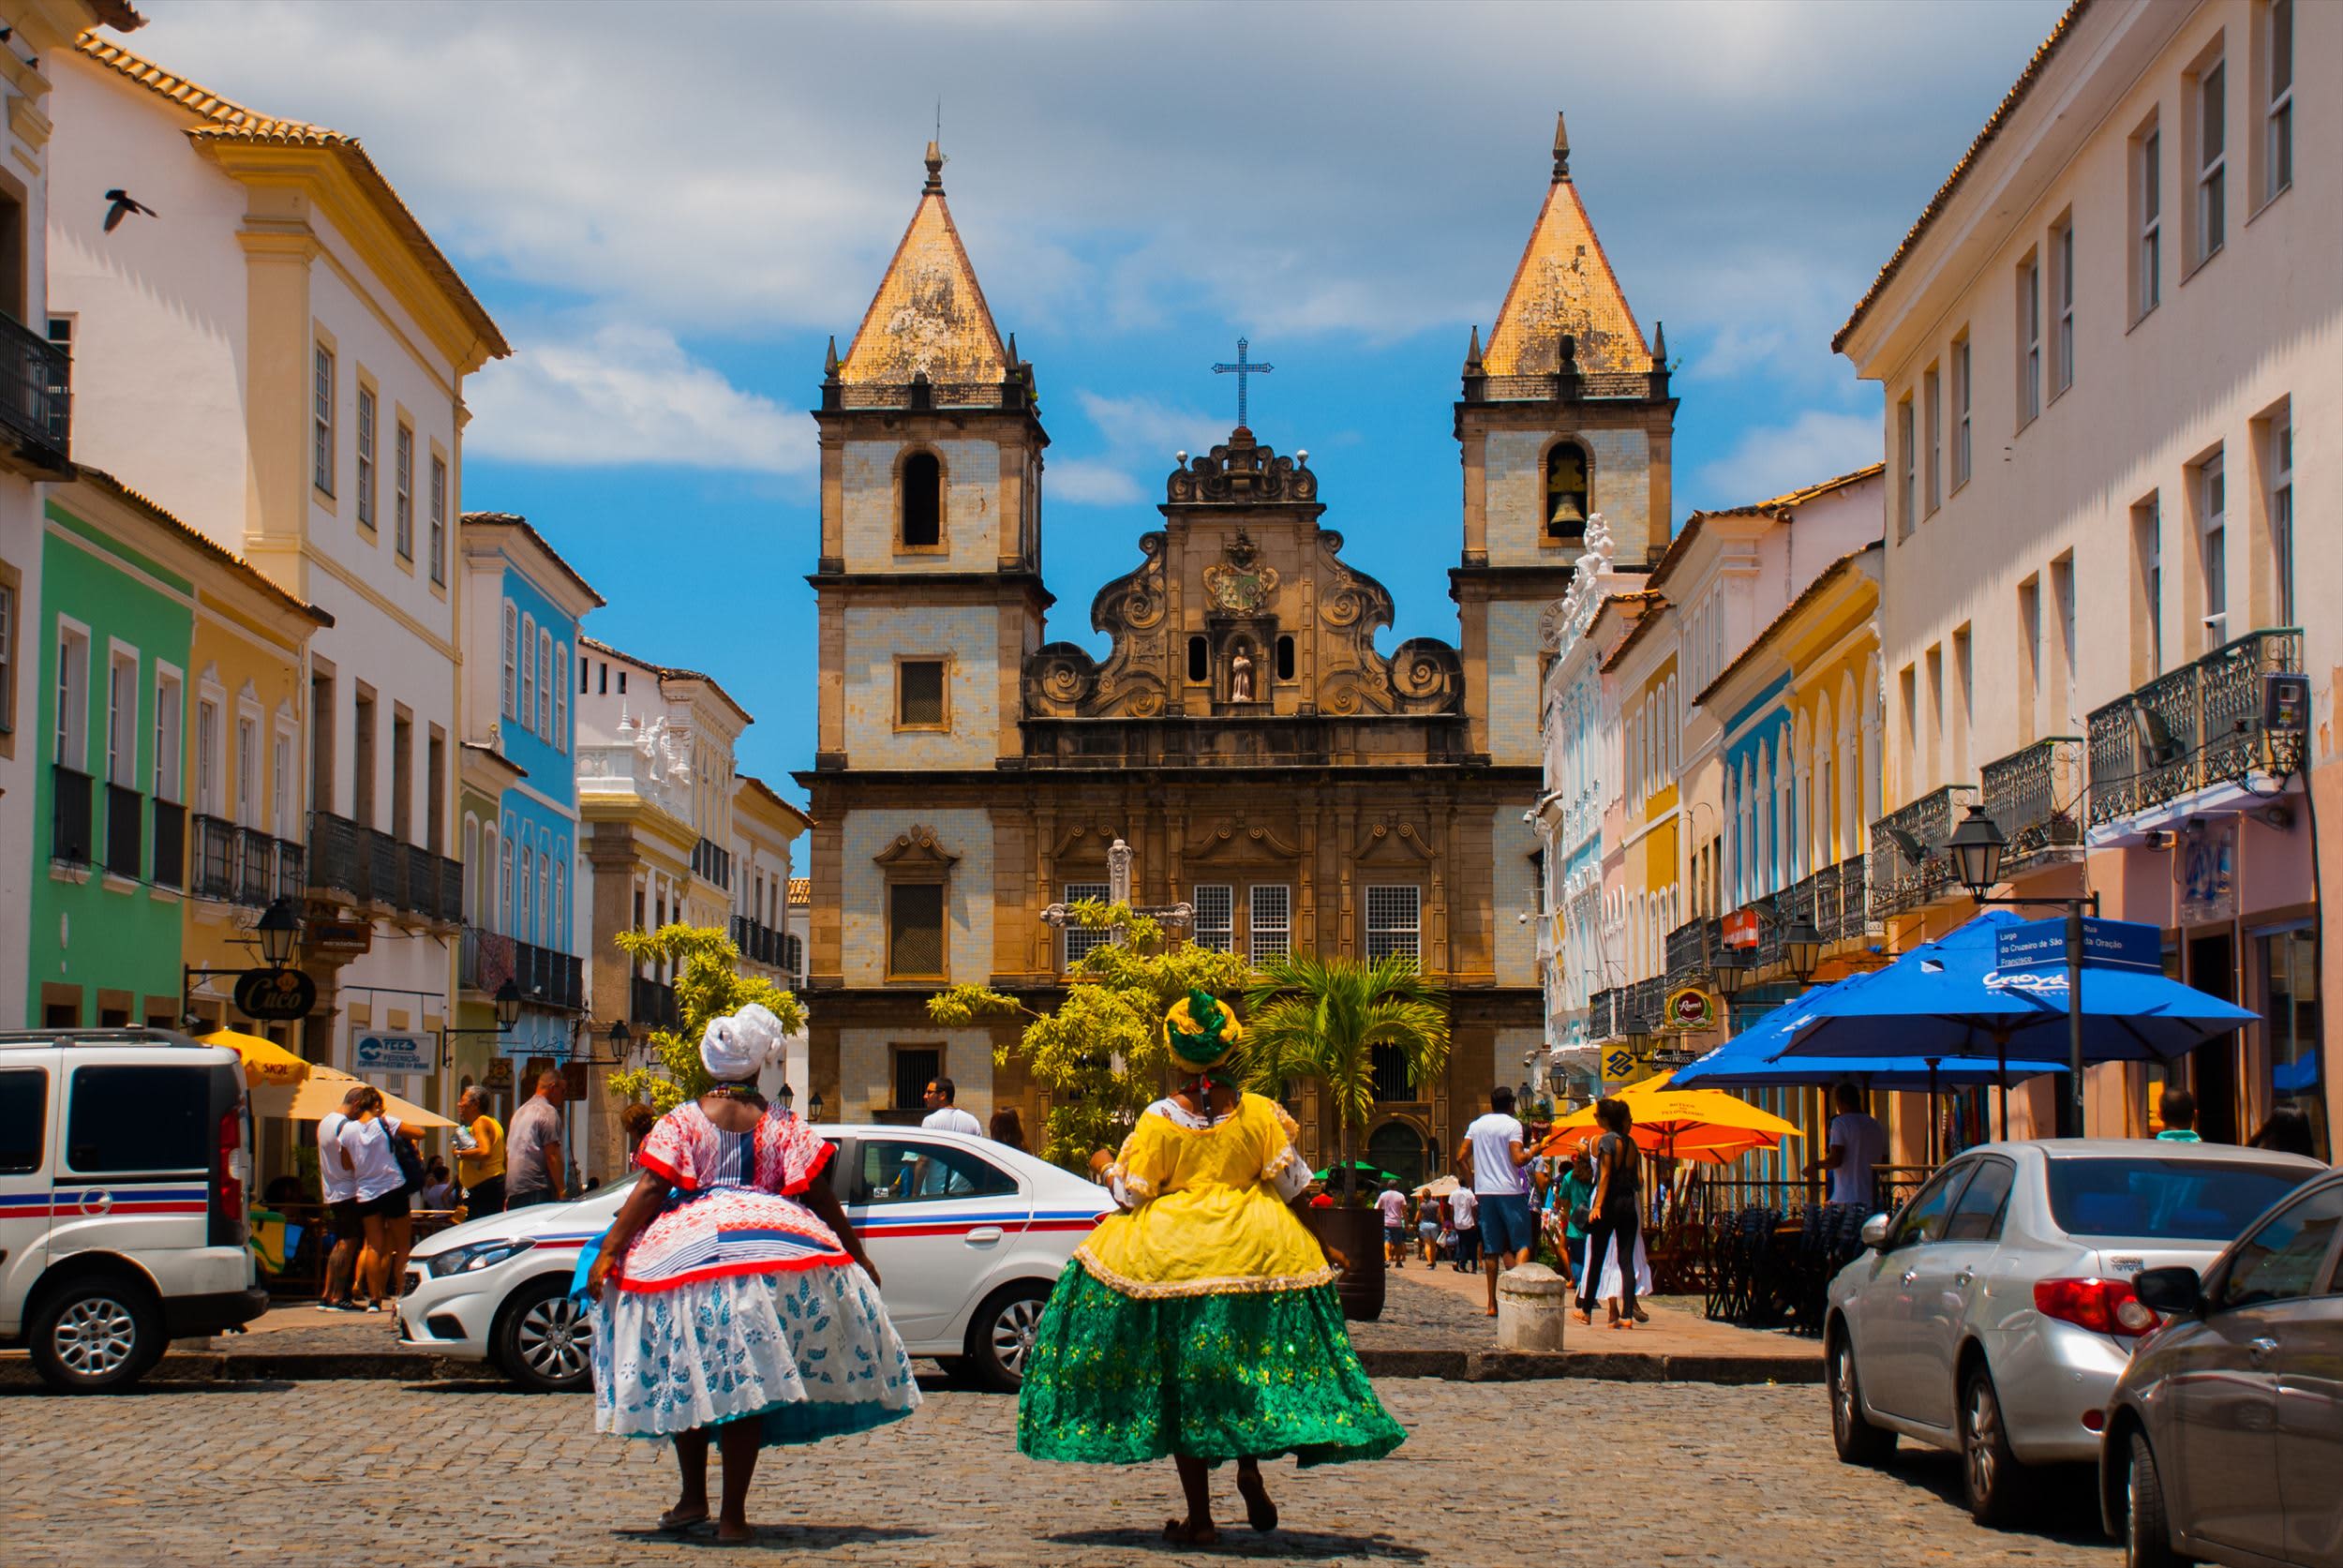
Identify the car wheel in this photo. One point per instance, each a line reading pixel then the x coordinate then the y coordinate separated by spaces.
pixel 96 1335
pixel 2147 1530
pixel 544 1338
pixel 1852 1434
pixel 1000 1336
pixel 1990 1475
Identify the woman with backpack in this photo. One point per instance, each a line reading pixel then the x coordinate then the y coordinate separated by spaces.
pixel 384 1161
pixel 1616 1214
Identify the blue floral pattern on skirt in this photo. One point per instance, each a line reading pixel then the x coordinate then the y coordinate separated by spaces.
pixel 808 1351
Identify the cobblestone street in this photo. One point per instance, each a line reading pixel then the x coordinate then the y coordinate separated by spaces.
pixel 471 1474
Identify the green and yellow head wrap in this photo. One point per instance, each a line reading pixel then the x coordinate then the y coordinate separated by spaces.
pixel 1200 1031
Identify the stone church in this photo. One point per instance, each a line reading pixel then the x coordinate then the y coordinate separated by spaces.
pixel 1265 761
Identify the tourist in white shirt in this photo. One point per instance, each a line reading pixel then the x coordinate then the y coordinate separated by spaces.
pixel 943 1115
pixel 386 1198
pixel 341 1191
pixel 1463 1206
pixel 1857 1145
pixel 1491 1161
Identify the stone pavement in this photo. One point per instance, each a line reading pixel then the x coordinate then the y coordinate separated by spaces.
pixel 1561 1473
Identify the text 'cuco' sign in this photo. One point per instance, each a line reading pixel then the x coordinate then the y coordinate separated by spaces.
pixel 393 1053
pixel 2106 945
pixel 278 995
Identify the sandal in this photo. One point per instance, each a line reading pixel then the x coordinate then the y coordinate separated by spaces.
pixel 1182 1534
pixel 680 1518
pixel 1261 1512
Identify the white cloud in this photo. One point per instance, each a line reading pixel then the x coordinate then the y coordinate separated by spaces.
pixel 620 396
pixel 1141 436
pixel 1092 481
pixel 1774 460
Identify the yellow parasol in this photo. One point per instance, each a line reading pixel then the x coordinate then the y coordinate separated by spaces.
pixel 266 1064
pixel 326 1088
pixel 1680 1124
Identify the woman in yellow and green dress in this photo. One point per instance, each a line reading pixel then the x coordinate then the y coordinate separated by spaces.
pixel 1202 1323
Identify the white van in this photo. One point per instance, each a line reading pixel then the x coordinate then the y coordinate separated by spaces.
pixel 123 1164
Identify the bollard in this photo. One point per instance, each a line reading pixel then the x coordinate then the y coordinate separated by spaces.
pixel 1532 1304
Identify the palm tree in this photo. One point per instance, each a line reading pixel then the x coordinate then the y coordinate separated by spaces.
pixel 1322 1017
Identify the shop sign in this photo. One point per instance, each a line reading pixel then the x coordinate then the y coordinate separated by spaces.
pixel 1740 929
pixel 1690 1010
pixel 2106 945
pixel 1618 1065
pixel 275 995
pixel 392 1053
pixel 340 936
pixel 500 1073
pixel 2208 871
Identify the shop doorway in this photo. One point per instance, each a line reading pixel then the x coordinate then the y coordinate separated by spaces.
pixel 1400 1149
pixel 2213 1068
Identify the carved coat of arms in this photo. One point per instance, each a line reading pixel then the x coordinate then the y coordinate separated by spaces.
pixel 1243 583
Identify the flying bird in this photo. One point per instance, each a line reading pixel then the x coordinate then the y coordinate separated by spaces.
pixel 124 204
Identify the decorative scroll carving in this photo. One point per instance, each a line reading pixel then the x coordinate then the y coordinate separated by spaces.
pixel 1229 830
pixel 1241 471
pixel 915 846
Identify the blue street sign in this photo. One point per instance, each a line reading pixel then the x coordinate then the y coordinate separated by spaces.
pixel 2106 945
pixel 392 1053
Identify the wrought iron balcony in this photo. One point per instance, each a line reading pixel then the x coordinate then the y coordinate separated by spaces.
pixel 1606 1015
pixel 36 399
pixel 2035 797
pixel 1647 1004
pixel 71 793
pixel 549 979
pixel 2198 725
pixel 126 831
pixel 652 1005
pixel 170 852
pixel 1909 868
pixel 1835 899
pixel 369 867
pixel 244 865
pixel 1691 947
pixel 335 863
pixel 760 944
pixel 713 861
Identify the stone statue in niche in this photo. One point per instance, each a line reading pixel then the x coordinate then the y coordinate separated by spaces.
pixel 1240 674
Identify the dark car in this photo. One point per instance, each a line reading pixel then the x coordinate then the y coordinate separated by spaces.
pixel 2225 1435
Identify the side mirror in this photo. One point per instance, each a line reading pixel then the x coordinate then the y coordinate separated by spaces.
pixel 2169 1290
pixel 1875 1233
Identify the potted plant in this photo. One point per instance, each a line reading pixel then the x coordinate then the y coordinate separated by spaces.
pixel 1322 1017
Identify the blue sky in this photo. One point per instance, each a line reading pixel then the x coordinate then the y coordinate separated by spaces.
pixel 669 208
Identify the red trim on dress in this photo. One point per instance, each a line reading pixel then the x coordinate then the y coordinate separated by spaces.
pixel 821 1163
pixel 721 1271
pixel 663 1171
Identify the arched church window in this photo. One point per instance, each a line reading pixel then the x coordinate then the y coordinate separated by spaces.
pixel 1566 494
pixel 1199 661
pixel 923 502
pixel 1285 657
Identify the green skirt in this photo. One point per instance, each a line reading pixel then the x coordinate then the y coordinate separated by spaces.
pixel 1116 1380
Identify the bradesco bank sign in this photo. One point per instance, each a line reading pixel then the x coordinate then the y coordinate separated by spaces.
pixel 2032 956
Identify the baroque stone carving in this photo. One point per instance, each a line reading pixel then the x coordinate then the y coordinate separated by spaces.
pixel 1243 583
pixel 1241 471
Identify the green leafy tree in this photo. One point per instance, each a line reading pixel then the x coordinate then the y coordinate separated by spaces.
pixel 707 985
pixel 1322 1017
pixel 1100 1054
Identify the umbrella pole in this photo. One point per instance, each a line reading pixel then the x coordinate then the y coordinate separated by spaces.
pixel 1935 1118
pixel 2001 1054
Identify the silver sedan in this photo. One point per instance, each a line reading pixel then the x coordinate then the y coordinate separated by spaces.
pixel 1993 1315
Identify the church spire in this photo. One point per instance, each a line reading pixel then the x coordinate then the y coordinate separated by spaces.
pixel 929 314
pixel 1562 148
pixel 1564 286
pixel 1472 352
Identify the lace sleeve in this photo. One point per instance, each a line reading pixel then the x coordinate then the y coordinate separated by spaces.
pixel 1145 1163
pixel 670 1148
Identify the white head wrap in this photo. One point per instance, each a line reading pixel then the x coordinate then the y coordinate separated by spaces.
pixel 735 1047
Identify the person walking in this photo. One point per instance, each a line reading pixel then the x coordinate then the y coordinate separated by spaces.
pixel 733 1305
pixel 1009 1127
pixel 341 1191
pixel 532 1147
pixel 943 1114
pixel 1200 1325
pixel 385 1197
pixel 1489 1162
pixel 1569 1203
pixel 1857 1145
pixel 479 1154
pixel 1462 1204
pixel 1427 1226
pixel 1617 1220
pixel 1392 1204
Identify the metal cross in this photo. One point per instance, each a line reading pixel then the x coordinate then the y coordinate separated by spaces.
pixel 1242 368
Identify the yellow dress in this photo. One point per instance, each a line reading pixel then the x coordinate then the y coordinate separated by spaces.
pixel 1203 1320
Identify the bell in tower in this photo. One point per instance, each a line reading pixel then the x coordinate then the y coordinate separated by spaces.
pixel 1566 492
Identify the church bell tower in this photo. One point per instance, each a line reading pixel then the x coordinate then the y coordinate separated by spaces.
pixel 1566 413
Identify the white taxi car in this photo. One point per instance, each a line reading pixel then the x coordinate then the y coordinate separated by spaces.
pixel 968 1236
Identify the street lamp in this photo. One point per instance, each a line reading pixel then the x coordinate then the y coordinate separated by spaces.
pixel 1729 970
pixel 621 1040
pixel 785 1096
pixel 1976 848
pixel 1801 945
pixel 813 1107
pixel 278 927
pixel 508 1005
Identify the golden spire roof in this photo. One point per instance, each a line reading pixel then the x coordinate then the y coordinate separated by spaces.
pixel 929 313
pixel 1564 285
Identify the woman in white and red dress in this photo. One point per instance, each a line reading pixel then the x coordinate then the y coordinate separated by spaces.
pixel 732 1301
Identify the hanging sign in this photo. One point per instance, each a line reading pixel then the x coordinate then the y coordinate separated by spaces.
pixel 1690 1010
pixel 392 1053
pixel 1618 1065
pixel 1740 929
pixel 275 995
pixel 2208 871
pixel 340 936
pixel 2037 944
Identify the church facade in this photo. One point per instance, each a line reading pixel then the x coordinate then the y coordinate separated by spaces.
pixel 1264 761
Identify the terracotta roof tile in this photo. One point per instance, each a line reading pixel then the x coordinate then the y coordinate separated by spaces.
pixel 253 576
pixel 1789 501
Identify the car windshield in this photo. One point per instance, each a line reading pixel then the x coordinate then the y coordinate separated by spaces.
pixel 2153 1199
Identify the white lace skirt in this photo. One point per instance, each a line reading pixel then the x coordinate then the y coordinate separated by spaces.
pixel 809 1351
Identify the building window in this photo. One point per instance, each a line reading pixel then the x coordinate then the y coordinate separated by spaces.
pixel 529 672
pixel 919 694
pixel 7 655
pixel 523 891
pixel 280 787
pixel 923 502
pixel 1393 917
pixel 322 421
pixel 1567 493
pixel 170 717
pixel 1272 919
pixel 512 658
pixel 2277 147
pixel 2029 341
pixel 403 489
pixel 915 930
pixel 561 702
pixel 1079 940
pixel 1931 399
pixel 1907 466
pixel 2147 533
pixel 439 519
pixel 2148 244
pixel 248 765
pixel 1199 661
pixel 545 685
pixel 2063 283
pixel 915 1067
pixel 2290 970
pixel 1216 917
pixel 1962 390
pixel 2213 535
pixel 366 456
pixel 1388 1066
pixel 207 757
pixel 2282 515
pixel 1285 657
pixel 122 720
pixel 2212 162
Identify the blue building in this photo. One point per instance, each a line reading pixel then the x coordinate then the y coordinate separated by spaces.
pixel 523 611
